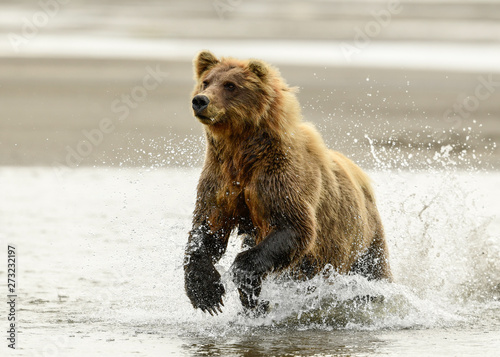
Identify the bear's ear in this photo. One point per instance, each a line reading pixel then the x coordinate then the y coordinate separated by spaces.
pixel 203 62
pixel 259 68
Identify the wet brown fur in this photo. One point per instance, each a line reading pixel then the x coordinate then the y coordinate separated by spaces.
pixel 266 169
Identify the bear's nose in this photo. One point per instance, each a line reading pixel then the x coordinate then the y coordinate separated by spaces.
pixel 200 102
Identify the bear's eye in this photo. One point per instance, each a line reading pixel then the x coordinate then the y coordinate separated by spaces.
pixel 204 85
pixel 229 86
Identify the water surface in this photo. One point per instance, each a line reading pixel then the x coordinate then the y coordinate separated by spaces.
pixel 100 271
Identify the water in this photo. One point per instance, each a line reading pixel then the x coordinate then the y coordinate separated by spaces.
pixel 390 54
pixel 100 255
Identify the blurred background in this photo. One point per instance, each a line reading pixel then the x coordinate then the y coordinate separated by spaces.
pixel 410 84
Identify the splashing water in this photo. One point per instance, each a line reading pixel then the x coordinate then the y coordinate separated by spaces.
pixel 444 256
pixel 110 244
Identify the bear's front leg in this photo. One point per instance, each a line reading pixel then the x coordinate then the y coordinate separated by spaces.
pixel 202 281
pixel 203 285
pixel 247 275
pixel 276 251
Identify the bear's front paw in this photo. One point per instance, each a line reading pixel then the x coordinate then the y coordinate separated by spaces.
pixel 204 288
pixel 247 275
pixel 245 271
pixel 260 310
pixel 250 263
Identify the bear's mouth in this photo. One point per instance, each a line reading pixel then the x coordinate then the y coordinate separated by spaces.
pixel 204 119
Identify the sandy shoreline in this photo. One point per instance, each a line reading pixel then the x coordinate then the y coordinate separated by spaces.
pixel 81 89
pixel 51 107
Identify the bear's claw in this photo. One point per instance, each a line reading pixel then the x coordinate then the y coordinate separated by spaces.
pixel 213 310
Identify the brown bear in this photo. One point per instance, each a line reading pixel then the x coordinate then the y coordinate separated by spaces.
pixel 269 175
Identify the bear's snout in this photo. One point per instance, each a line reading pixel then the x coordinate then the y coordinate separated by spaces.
pixel 200 103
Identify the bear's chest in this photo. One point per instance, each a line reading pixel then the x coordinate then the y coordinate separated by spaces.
pixel 236 202
pixel 231 198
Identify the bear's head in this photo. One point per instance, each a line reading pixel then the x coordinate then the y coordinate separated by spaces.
pixel 237 94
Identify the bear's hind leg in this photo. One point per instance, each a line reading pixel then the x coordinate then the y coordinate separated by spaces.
pixel 374 263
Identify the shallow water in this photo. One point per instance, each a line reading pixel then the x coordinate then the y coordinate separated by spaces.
pixel 100 271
